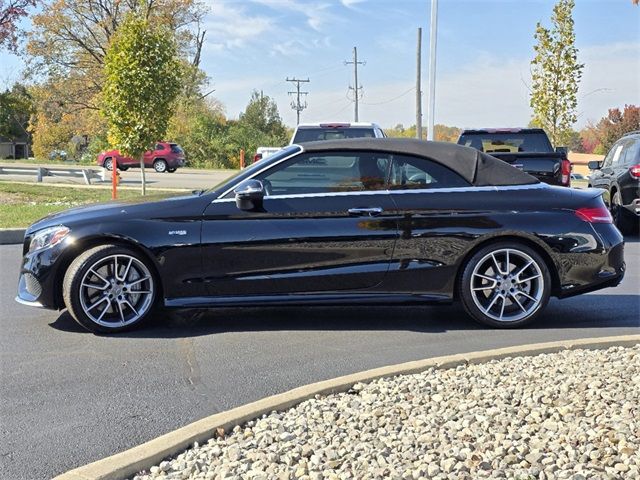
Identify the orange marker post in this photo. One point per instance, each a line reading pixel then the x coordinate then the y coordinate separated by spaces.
pixel 242 158
pixel 114 182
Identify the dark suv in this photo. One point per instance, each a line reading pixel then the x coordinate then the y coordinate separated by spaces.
pixel 619 174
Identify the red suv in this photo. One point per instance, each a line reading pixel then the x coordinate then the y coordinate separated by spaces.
pixel 165 157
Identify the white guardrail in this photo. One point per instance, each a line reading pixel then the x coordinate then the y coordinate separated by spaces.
pixel 87 174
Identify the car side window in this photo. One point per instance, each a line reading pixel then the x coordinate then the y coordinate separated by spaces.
pixel 632 156
pixel 613 155
pixel 327 173
pixel 159 147
pixel 619 156
pixel 409 173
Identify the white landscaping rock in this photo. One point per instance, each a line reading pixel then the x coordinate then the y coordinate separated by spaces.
pixel 568 415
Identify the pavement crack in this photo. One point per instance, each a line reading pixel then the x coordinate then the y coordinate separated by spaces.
pixel 190 363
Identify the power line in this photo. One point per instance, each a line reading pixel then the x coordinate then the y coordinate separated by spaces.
pixel 296 104
pixel 392 99
pixel 356 88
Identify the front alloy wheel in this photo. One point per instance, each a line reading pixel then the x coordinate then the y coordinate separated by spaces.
pixel 108 164
pixel 505 285
pixel 109 289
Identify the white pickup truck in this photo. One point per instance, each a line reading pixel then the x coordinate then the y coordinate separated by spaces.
pixel 313 132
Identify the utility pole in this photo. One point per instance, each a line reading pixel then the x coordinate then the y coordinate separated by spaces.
pixel 356 89
pixel 419 88
pixel 432 68
pixel 296 104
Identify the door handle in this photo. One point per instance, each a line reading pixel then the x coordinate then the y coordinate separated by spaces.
pixel 361 212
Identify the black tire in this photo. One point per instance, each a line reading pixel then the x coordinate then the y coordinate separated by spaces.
pixel 626 222
pixel 123 169
pixel 160 165
pixel 171 170
pixel 81 300
pixel 108 163
pixel 499 291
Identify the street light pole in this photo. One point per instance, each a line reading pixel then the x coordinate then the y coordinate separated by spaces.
pixel 432 69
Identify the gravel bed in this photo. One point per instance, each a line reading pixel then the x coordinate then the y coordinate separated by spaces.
pixel 568 415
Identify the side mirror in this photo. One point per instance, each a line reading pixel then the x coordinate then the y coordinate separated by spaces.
pixel 563 150
pixel 249 195
pixel 594 165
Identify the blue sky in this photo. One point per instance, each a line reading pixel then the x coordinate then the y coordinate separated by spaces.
pixel 484 49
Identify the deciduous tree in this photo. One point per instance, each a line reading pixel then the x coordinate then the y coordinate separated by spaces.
pixel 262 115
pixel 610 128
pixel 142 81
pixel 68 43
pixel 11 11
pixel 556 75
pixel 16 108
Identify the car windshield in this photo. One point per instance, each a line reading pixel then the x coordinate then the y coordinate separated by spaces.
pixel 507 142
pixel 314 134
pixel 247 172
pixel 175 148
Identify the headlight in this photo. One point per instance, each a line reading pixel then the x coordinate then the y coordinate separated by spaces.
pixel 48 237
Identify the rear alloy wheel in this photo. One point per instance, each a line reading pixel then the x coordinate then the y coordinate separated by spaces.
pixel 621 218
pixel 109 289
pixel 108 164
pixel 160 166
pixel 505 285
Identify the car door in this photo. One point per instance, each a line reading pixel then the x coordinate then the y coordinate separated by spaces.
pixel 602 178
pixel 150 155
pixel 327 224
pixel 431 203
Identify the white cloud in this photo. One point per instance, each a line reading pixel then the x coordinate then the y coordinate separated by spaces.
pixel 351 3
pixel 611 78
pixel 230 27
pixel 317 13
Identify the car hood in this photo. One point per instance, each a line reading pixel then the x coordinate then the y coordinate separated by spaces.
pixel 149 206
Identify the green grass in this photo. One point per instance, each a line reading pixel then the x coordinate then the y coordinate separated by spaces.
pixel 45 161
pixel 23 204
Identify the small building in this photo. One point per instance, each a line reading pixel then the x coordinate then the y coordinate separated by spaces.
pixel 579 162
pixel 13 148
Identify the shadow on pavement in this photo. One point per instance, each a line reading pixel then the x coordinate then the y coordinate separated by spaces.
pixel 587 311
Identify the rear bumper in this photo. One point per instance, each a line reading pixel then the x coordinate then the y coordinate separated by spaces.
pixel 602 267
pixel 175 162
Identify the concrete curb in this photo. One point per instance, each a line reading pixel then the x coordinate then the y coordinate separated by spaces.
pixel 151 453
pixel 11 236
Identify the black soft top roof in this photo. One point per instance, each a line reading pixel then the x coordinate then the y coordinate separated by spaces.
pixel 476 167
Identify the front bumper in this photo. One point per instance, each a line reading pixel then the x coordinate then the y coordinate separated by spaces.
pixel 38 282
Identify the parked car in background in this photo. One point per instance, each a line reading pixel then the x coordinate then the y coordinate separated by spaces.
pixel 264 152
pixel 619 175
pixel 165 157
pixel 528 149
pixel 313 132
pixel 60 155
pixel 363 221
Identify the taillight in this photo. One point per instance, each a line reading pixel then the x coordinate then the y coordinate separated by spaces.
pixel 256 157
pixel 595 214
pixel 566 172
pixel 635 171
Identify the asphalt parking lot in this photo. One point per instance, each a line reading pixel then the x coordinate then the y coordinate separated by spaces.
pixel 68 397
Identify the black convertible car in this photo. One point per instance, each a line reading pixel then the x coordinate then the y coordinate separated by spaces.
pixel 335 222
